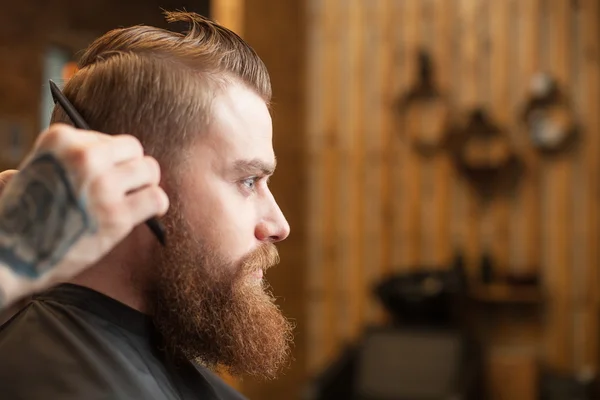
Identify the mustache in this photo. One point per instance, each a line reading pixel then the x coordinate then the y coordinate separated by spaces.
pixel 263 257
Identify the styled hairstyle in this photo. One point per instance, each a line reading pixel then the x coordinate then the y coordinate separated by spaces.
pixel 158 85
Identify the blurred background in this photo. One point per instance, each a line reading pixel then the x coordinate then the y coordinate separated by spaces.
pixel 438 167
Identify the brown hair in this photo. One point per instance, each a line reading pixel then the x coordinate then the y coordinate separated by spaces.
pixel 157 84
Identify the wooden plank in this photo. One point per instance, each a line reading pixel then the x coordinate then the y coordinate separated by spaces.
pixel 578 188
pixel 229 13
pixel 342 180
pixel 556 194
pixel 395 190
pixel 455 90
pixel 332 39
pixel 316 184
pixel 549 341
pixel 559 170
pixel 525 206
pixel 408 193
pixel 511 373
pixel 387 85
pixel 376 115
pixel 484 44
pixel 433 176
pixel 388 12
pixel 590 32
pixel 427 217
pixel 355 296
pixel 558 350
pixel 369 105
pixel 469 201
pixel 587 318
pixel 443 172
pixel 499 62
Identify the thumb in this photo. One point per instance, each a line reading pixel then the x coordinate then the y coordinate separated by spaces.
pixel 6 176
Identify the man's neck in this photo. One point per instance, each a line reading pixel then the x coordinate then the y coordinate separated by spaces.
pixel 115 276
pixel 94 279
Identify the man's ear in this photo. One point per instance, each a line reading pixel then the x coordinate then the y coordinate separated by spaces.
pixel 6 176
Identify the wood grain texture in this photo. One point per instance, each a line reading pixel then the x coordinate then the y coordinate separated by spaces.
pixel 316 149
pixel 331 100
pixel 229 13
pixel 557 196
pixel 470 99
pixel 525 204
pixel 380 207
pixel 498 81
pixel 409 196
pixel 442 243
pixel 375 256
pixel 511 373
pixel 590 104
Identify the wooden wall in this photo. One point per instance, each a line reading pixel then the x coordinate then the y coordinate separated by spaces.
pixel 377 206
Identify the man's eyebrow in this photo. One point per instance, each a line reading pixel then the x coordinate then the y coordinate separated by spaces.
pixel 254 166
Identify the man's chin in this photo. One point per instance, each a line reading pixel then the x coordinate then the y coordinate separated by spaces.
pixel 240 329
pixel 208 310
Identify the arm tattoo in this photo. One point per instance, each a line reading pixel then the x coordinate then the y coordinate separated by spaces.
pixel 41 217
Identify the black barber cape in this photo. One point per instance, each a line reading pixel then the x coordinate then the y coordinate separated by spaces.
pixel 74 343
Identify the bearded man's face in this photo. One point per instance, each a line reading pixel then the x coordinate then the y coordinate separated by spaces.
pixel 211 302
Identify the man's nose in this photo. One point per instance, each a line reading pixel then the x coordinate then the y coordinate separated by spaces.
pixel 274 227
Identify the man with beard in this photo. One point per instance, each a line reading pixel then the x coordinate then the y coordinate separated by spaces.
pixel 148 322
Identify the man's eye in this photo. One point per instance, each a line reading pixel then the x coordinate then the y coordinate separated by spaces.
pixel 250 182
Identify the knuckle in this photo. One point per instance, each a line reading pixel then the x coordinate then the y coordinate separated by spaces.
pixel 131 141
pixel 165 202
pixel 153 197
pixel 154 168
pixel 103 184
pixel 81 158
pixel 53 136
pixel 161 199
pixel 156 200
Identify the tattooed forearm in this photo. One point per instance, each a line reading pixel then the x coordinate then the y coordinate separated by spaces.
pixel 41 217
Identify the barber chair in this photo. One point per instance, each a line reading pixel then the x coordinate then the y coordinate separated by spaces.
pixel 424 354
pixel 416 364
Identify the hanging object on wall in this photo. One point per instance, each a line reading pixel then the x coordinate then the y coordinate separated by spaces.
pixel 424 111
pixel 483 153
pixel 550 120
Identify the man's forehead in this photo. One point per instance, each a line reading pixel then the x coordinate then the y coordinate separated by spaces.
pixel 238 104
pixel 240 116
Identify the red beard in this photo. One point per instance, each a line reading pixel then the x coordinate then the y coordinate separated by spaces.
pixel 216 313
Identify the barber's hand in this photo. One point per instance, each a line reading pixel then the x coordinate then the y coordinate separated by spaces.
pixel 76 196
